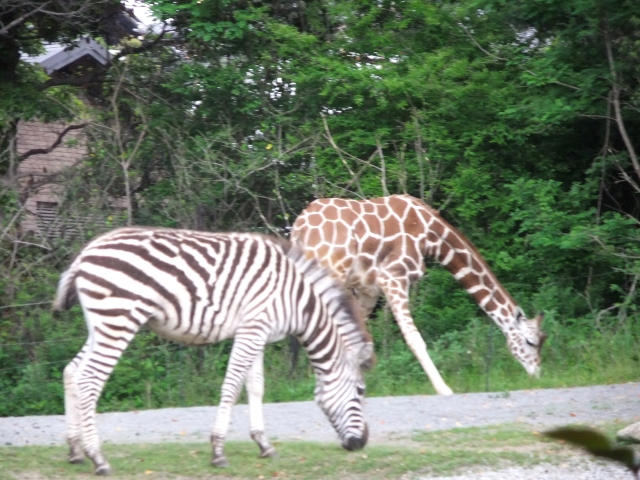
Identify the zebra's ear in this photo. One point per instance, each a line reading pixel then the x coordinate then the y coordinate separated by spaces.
pixel 366 356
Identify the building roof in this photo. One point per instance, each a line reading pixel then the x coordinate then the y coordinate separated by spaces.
pixel 58 56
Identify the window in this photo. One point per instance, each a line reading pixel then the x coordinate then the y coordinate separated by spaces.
pixel 47 216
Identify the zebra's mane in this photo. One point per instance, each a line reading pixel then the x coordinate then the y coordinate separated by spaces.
pixel 333 294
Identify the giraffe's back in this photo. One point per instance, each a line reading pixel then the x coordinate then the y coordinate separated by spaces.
pixel 355 238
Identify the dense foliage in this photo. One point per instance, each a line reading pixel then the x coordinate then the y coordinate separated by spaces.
pixel 519 120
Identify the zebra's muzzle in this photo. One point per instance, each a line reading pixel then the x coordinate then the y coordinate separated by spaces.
pixel 356 443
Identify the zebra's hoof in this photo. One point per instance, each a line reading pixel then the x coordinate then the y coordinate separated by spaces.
pixel 104 470
pixel 220 462
pixel 269 453
pixel 77 459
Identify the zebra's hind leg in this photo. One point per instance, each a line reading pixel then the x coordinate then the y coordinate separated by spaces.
pixel 110 331
pixel 255 392
pixel 248 344
pixel 72 413
pixel 266 449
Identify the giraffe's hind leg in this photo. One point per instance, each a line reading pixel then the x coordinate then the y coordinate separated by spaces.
pixel 397 293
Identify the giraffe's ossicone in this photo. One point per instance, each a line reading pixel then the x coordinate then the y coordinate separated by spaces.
pixel 378 247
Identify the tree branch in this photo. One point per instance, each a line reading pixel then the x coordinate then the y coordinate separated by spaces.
pixel 616 106
pixel 530 72
pixel 339 152
pixel 383 166
pixel 628 179
pixel 419 151
pixel 605 151
pixel 44 151
pixel 475 42
pixel 95 75
pixel 4 31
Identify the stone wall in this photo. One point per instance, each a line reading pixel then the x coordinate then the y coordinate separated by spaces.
pixel 40 189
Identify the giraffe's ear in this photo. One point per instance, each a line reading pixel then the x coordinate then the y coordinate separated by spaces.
pixel 518 314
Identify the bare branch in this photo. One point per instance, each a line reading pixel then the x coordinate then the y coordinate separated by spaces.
pixel 626 176
pixel 402 173
pixel 50 148
pixel 129 50
pixel 530 72
pixel 339 152
pixel 475 42
pixel 383 177
pixel 616 106
pixel 12 221
pixel 419 151
pixel 5 30
pixel 365 164
pixel 604 151
pixel 277 178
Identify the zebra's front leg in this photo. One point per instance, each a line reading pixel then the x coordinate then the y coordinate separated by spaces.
pixel 72 412
pixel 255 392
pixel 246 347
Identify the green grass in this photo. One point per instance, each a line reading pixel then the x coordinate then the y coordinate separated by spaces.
pixel 156 373
pixel 442 452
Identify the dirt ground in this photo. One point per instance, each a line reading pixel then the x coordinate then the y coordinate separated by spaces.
pixel 391 420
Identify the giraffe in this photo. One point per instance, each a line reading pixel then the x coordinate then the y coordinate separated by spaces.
pixel 377 246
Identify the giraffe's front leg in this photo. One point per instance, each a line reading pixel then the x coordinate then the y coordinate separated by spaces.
pixel 246 347
pixel 255 392
pixel 396 291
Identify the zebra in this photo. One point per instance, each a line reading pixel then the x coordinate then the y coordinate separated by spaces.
pixel 200 288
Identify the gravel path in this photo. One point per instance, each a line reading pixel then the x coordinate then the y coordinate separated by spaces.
pixel 390 419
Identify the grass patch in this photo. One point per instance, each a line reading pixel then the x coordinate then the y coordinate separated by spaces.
pixel 155 373
pixel 434 453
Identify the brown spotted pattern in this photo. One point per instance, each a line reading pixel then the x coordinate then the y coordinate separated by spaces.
pixel 378 246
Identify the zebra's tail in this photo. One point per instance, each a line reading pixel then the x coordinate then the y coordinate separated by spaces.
pixel 66 296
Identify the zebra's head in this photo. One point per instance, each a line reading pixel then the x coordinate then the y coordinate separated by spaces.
pixel 339 347
pixel 340 394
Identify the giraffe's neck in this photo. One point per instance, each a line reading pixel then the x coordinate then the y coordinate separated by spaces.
pixel 451 249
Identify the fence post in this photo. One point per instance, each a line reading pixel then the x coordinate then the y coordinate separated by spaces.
pixel 489 358
pixel 181 380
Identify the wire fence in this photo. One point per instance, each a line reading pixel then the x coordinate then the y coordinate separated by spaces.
pixel 155 375
pixel 21 305
pixel 171 358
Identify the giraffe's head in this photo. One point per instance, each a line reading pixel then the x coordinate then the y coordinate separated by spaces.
pixel 525 339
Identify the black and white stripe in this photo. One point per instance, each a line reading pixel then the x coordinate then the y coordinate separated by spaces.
pixel 200 288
